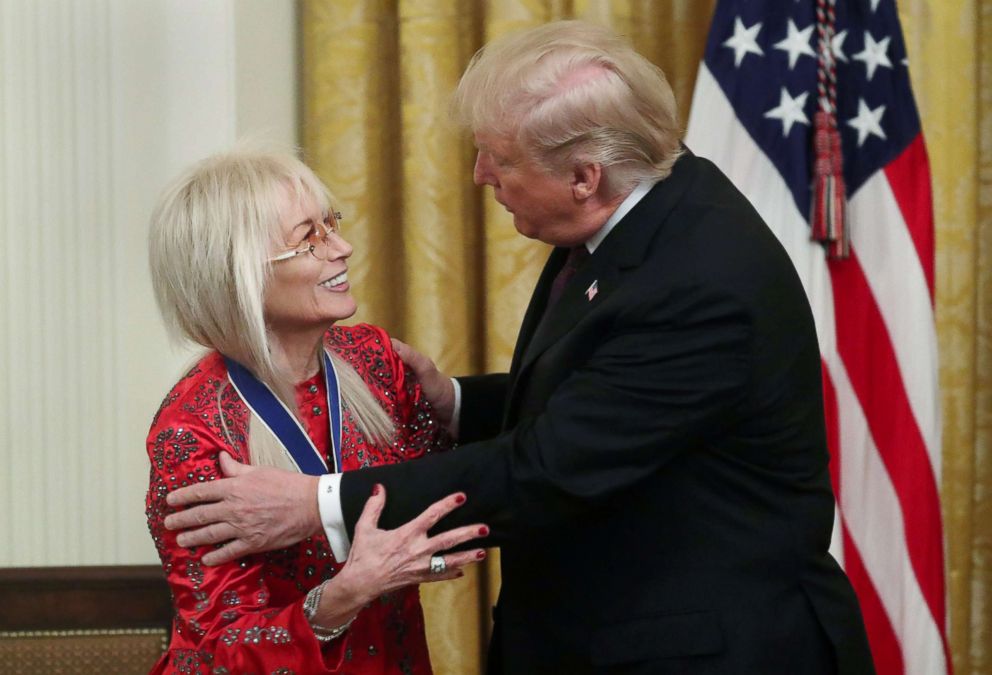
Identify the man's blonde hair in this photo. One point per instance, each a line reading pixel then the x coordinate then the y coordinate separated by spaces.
pixel 570 92
pixel 212 234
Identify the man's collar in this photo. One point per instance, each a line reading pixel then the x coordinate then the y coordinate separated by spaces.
pixel 636 195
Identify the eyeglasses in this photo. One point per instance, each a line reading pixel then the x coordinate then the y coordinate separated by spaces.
pixel 317 240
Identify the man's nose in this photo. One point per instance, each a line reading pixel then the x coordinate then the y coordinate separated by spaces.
pixel 481 174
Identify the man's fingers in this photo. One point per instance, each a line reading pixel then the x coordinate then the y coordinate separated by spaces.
pixel 419 363
pixel 372 510
pixel 451 538
pixel 204 536
pixel 406 353
pixel 230 551
pixel 211 491
pixel 198 516
pixel 232 467
pixel 436 511
pixel 401 348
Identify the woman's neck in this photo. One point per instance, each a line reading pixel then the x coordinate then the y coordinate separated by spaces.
pixel 297 354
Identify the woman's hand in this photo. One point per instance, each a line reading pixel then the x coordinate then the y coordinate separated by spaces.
pixel 386 560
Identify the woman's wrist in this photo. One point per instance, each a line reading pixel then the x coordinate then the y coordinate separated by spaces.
pixel 330 608
pixel 322 633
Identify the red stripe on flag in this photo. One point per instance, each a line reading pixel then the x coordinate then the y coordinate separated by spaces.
pixel 909 178
pixel 866 350
pixel 885 650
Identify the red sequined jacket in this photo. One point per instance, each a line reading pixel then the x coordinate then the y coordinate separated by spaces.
pixel 247 616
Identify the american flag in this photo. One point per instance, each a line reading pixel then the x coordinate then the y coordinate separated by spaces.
pixel 753 114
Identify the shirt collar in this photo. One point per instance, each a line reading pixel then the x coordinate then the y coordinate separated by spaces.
pixel 635 196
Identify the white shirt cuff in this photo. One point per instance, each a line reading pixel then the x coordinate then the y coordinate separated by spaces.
pixel 456 413
pixel 331 516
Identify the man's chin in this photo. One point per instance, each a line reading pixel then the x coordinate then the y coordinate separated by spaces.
pixel 524 228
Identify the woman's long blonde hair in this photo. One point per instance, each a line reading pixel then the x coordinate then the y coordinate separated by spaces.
pixel 212 234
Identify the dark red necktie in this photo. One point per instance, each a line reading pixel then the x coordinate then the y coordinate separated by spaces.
pixel 576 256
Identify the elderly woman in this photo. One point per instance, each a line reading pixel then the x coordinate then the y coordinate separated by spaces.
pixel 248 260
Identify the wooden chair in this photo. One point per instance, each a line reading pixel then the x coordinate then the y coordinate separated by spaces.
pixel 83 620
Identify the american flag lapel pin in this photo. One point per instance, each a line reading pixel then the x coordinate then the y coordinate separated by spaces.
pixel 592 290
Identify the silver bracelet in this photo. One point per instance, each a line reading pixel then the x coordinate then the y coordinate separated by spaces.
pixel 327 634
pixel 322 633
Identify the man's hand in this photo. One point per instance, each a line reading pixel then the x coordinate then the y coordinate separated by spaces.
pixel 436 385
pixel 254 509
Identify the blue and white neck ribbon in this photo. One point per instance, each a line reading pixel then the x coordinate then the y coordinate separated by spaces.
pixel 283 424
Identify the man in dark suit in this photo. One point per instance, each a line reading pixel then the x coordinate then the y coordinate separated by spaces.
pixel 654 465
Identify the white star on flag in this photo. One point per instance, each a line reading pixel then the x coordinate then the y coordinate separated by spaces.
pixel 796 42
pixel 868 122
pixel 789 110
pixel 874 54
pixel 744 41
pixel 837 46
pixel 874 5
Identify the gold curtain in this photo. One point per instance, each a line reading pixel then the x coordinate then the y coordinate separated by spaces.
pixel 438 263
pixel 950 51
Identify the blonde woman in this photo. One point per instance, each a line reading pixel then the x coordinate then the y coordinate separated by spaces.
pixel 248 260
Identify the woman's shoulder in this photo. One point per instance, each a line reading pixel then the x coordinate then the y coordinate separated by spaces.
pixel 361 335
pixel 196 391
pixel 369 351
pixel 366 347
pixel 200 413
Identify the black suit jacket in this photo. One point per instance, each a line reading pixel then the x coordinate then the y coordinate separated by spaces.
pixel 654 466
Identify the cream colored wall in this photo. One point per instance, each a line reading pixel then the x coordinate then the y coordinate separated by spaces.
pixel 266 82
pixel 100 104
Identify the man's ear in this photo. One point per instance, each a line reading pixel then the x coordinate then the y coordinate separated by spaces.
pixel 585 180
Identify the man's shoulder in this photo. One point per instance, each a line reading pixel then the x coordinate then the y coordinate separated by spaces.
pixel 710 239
pixel 708 189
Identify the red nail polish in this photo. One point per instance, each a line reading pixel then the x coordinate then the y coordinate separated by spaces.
pixel 375 489
pixel 460 499
pixel 483 531
pixel 480 555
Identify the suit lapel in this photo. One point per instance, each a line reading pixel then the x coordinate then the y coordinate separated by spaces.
pixel 574 303
pixel 538 301
pixel 623 249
